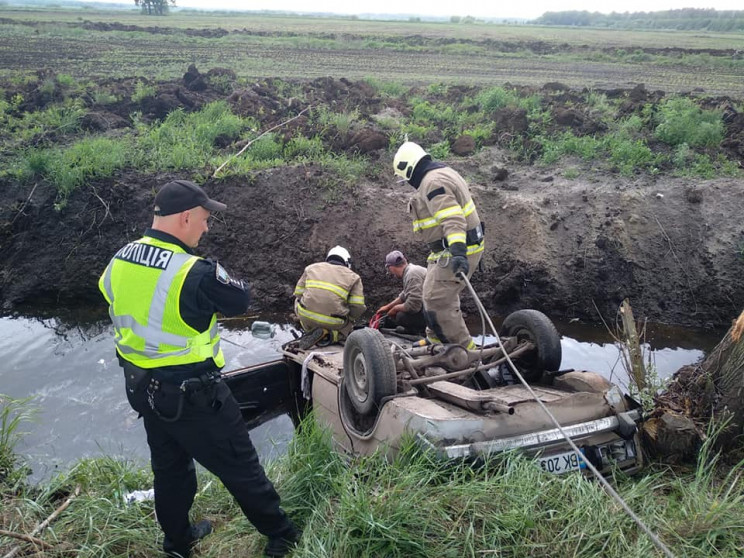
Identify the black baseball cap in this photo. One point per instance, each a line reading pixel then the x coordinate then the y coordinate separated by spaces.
pixel 180 195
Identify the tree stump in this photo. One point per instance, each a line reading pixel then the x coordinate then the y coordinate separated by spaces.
pixel 712 390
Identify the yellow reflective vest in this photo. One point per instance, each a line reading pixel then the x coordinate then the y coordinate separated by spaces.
pixel 328 294
pixel 142 285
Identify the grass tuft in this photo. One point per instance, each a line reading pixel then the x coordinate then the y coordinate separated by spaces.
pixel 680 120
pixel 13 413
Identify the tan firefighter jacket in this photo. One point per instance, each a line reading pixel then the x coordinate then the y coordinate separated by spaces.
pixel 328 294
pixel 443 213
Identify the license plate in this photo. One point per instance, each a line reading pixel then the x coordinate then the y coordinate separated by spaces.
pixel 561 463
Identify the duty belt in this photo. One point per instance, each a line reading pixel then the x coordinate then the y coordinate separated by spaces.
pixel 472 237
pixel 188 385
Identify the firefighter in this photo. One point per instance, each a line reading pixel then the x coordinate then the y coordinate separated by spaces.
pixel 407 310
pixel 329 298
pixel 445 218
pixel 163 301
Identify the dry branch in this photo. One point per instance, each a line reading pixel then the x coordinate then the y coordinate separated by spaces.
pixel 25 203
pixel 44 524
pixel 27 538
pixel 635 356
pixel 247 145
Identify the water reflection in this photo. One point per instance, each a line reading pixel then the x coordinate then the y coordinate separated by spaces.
pixel 69 367
pixel 72 373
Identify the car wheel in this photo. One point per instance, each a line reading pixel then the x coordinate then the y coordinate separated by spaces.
pixel 535 327
pixel 369 370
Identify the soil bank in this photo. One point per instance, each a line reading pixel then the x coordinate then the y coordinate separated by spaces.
pixel 571 248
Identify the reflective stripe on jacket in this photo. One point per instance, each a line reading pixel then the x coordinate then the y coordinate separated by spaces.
pixel 471 249
pixel 328 294
pixel 442 207
pixel 142 284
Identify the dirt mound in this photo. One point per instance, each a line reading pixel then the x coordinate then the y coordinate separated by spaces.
pixel 734 140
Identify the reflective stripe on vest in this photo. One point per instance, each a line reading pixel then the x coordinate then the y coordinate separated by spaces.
pixel 185 345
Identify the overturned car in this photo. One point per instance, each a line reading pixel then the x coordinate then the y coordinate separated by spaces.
pixel 381 385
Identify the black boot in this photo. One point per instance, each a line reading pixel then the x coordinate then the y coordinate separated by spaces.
pixel 280 546
pixel 311 338
pixel 197 532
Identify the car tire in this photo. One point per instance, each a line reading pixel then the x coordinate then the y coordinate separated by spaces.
pixel 369 370
pixel 536 327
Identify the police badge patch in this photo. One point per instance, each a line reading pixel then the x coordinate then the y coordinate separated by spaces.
pixel 222 275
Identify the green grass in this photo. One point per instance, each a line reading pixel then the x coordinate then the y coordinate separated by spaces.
pixel 48 144
pixel 41 126
pixel 187 140
pixel 70 168
pixel 13 413
pixel 142 91
pixel 680 120
pixel 411 506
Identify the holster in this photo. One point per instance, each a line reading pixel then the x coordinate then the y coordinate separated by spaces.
pixel 134 376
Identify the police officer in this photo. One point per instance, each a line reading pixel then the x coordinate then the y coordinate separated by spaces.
pixel 163 301
pixel 445 218
pixel 329 298
pixel 407 310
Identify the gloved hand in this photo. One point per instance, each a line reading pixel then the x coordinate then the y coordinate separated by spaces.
pixel 459 261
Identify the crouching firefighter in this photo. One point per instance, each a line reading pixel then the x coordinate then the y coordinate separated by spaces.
pixel 329 297
pixel 163 302
pixel 445 218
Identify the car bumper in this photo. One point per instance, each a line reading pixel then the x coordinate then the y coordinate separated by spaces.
pixel 546 441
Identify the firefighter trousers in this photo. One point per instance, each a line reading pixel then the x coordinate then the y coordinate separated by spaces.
pixel 444 320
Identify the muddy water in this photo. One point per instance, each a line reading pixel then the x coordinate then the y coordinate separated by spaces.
pixel 70 370
pixel 76 383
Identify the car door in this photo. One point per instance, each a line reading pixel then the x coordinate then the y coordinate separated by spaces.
pixel 267 390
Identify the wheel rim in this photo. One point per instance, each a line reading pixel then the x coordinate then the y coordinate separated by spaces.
pixel 359 379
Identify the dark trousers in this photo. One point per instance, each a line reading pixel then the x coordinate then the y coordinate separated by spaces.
pixel 413 322
pixel 211 431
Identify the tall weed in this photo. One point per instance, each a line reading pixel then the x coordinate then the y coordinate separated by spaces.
pixel 630 155
pixel 495 98
pixel 680 120
pixel 13 412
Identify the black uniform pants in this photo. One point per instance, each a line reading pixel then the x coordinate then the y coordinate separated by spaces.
pixel 413 322
pixel 211 431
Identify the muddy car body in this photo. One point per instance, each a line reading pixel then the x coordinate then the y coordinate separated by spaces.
pixel 379 388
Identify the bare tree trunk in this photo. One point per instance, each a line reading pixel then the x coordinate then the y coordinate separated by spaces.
pixel 710 390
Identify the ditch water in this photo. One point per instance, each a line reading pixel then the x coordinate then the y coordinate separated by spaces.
pixel 68 366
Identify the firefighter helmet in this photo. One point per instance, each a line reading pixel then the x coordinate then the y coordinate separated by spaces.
pixel 341 253
pixel 406 159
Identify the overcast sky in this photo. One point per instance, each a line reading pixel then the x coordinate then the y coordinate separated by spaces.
pixel 476 8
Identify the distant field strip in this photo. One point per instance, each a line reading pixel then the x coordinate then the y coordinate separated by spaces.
pixel 166 53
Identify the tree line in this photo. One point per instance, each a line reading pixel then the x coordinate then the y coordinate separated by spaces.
pixel 682 19
pixel 155 7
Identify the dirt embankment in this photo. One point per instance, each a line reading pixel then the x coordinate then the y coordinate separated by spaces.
pixel 673 246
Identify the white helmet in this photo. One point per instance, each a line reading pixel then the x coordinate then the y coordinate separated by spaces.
pixel 406 159
pixel 341 253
